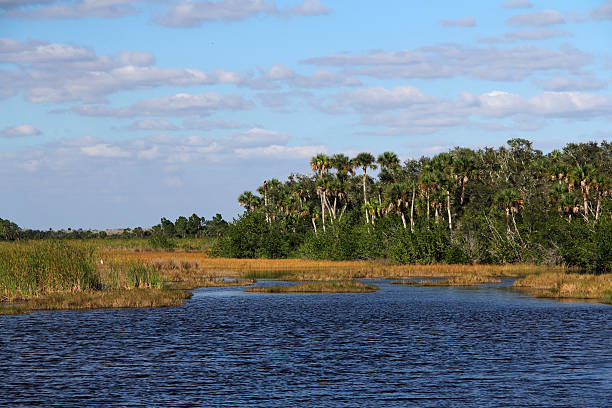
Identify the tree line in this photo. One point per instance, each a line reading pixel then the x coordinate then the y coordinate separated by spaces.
pixel 193 226
pixel 491 205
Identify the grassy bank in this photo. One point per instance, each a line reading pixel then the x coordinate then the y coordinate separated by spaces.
pixel 568 286
pixel 461 280
pixel 346 286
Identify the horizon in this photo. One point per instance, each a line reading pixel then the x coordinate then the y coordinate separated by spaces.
pixel 118 114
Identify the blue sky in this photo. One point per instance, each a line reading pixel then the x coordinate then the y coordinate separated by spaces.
pixel 118 112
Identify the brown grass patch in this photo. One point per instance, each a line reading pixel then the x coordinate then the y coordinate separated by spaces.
pixel 568 285
pixel 347 286
pixel 134 298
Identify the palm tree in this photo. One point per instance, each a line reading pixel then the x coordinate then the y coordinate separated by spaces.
pixel 365 161
pixel 249 201
pixel 320 164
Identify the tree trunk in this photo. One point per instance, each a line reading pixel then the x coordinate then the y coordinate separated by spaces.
pixel 462 189
pixel 342 212
pixel 403 219
pixel 598 207
pixel 335 202
pixel 314 224
pixel 322 210
pixel 365 198
pixel 266 201
pixel 448 207
pixel 427 194
pixel 412 210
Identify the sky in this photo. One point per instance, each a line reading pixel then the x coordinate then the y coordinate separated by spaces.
pixel 115 113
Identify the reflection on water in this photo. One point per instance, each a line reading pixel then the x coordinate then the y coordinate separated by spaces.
pixel 400 346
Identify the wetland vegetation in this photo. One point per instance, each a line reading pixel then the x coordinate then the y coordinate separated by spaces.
pixel 471 217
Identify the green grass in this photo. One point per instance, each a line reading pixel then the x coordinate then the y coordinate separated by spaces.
pixel 347 286
pixel 38 268
pixel 101 299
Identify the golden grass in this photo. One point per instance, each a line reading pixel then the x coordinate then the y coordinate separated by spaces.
pixel 568 285
pixel 101 299
pixel 346 286
pixel 304 269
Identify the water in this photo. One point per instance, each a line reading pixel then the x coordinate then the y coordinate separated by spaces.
pixel 401 346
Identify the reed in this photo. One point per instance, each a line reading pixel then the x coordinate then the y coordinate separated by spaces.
pixel 136 298
pixel 346 286
pixel 568 285
pixel 38 268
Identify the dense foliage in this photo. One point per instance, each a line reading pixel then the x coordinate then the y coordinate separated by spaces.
pixel 183 227
pixel 505 205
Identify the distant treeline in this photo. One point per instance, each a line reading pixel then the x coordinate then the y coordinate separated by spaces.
pixel 183 227
pixel 506 205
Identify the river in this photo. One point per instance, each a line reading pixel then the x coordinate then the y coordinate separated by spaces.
pixel 400 346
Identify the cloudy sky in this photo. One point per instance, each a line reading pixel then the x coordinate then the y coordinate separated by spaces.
pixel 118 112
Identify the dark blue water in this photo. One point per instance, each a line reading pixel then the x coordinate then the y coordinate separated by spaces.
pixel 401 346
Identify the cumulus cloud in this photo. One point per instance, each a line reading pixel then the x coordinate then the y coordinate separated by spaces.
pixel 538 18
pixel 281 74
pixel 408 110
pixel 368 99
pixel 539 34
pixel 603 12
pixel 573 84
pixel 50 72
pixel 71 9
pixel 178 105
pixel 514 4
pixel 450 60
pixel 310 8
pixel 19 131
pixel 152 124
pixel 190 13
pixel 104 150
pixel 199 124
pixel 462 22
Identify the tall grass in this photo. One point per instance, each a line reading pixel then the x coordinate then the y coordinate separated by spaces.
pixel 568 285
pixel 346 286
pixel 38 268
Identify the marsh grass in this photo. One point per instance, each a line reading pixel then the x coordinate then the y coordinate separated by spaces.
pixel 462 280
pixel 39 268
pixel 411 282
pixel 346 286
pixel 134 298
pixel 568 286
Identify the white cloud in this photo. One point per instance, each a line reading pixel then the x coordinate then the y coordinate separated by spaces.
pixel 78 9
pixel 152 124
pixel 603 12
pixel 149 154
pixel 190 13
pixel 513 4
pixel 280 152
pixel 462 22
pixel 408 110
pixel 256 137
pixel 51 72
pixel 498 104
pixel 19 131
pixel 573 84
pixel 368 99
pixel 178 105
pixel 199 124
pixel 538 18
pixel 539 34
pixel 310 8
pixel 450 60
pixel 104 150
pixel 570 104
